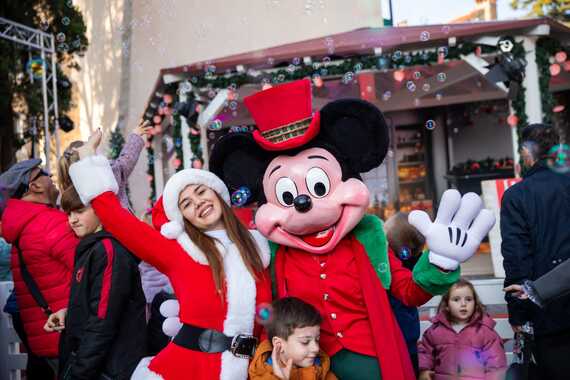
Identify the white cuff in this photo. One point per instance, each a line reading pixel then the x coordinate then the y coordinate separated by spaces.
pixel 92 176
pixel 442 262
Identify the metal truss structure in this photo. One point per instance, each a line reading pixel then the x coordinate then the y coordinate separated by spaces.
pixel 35 39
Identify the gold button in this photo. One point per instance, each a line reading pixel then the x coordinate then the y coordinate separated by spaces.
pixel 323 276
pixel 326 296
pixel 339 334
pixel 333 315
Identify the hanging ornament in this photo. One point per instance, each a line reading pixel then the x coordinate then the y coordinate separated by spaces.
pixel 167 98
pixel 512 120
pixel 157 119
pixel 177 162
pixel 478 51
pixel 558 108
pixel 554 69
pixel 566 66
pixel 317 81
pixel 399 75
pixel 560 56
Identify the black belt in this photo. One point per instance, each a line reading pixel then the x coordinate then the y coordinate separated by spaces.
pixel 212 341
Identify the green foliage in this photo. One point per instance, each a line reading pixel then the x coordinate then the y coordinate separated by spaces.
pixel 557 9
pixel 116 142
pixel 58 17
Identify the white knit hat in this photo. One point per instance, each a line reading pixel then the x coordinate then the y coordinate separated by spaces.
pixel 178 182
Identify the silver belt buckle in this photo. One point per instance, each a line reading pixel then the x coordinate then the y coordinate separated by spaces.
pixel 243 346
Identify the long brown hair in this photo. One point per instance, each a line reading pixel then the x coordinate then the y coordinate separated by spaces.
pixel 238 234
pixel 443 307
pixel 68 157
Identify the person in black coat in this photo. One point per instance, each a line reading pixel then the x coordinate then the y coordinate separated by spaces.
pixel 104 324
pixel 535 228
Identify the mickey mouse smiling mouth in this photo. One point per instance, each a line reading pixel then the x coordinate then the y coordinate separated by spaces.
pixel 310 208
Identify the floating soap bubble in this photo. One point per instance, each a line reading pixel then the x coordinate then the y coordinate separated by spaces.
pixel 347 77
pixel 397 55
pixel 60 37
pixel 417 75
pixel 386 95
pixel 438 96
pixel 382 267
pixel 296 61
pixel 263 313
pixel 65 21
pixel 216 125
pixel 559 158
pixel 426 87
pixel 441 77
pixel 424 36
pixel 405 253
pixel 233 105
pixel 411 86
pixel 358 67
pixel 44 25
pixel 430 125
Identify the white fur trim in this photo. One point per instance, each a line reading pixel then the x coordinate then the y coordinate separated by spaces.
pixel 240 296
pixel 186 177
pixel 143 373
pixel 172 230
pixel 92 176
pixel 194 252
pixel 263 245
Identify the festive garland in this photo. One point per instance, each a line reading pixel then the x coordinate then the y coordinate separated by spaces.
pixel 486 166
pixel 150 175
pixel 116 142
pixel 196 148
pixel 335 66
pixel 177 137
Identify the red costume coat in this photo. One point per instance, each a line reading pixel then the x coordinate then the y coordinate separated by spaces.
pixel 344 286
pixel 193 283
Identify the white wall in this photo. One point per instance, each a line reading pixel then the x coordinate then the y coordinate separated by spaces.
pixel 171 33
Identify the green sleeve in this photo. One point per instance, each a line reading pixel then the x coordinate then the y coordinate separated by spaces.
pixel 431 278
pixel 273 247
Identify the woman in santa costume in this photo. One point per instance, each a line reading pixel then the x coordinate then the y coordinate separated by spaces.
pixel 215 265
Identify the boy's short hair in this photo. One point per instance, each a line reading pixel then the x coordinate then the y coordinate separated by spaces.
pixel 291 313
pixel 401 234
pixel 70 200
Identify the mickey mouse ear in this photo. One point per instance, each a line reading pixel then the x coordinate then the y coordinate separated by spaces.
pixel 239 161
pixel 358 130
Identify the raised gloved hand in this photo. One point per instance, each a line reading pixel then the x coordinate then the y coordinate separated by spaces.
pixel 171 325
pixel 459 227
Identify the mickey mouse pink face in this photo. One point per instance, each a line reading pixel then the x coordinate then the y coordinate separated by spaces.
pixel 308 205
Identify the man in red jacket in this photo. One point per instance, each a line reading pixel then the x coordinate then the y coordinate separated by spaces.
pixel 31 221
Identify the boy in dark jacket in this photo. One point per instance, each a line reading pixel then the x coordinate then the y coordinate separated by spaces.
pixel 103 326
pixel 407 243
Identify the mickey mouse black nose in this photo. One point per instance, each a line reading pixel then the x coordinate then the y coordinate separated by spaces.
pixel 302 203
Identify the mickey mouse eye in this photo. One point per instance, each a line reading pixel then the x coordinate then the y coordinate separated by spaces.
pixel 286 191
pixel 317 182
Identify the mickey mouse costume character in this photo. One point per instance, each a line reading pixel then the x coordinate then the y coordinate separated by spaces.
pixel 303 170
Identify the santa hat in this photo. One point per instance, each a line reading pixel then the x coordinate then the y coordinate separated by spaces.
pixel 174 221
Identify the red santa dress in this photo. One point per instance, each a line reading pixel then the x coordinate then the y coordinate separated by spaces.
pixel 187 269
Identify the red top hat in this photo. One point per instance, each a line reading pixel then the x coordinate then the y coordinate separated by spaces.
pixel 284 116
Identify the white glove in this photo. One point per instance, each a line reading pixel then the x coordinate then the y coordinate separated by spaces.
pixel 171 325
pixel 460 226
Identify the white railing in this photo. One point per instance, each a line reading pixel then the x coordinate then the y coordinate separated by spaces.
pixel 12 362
